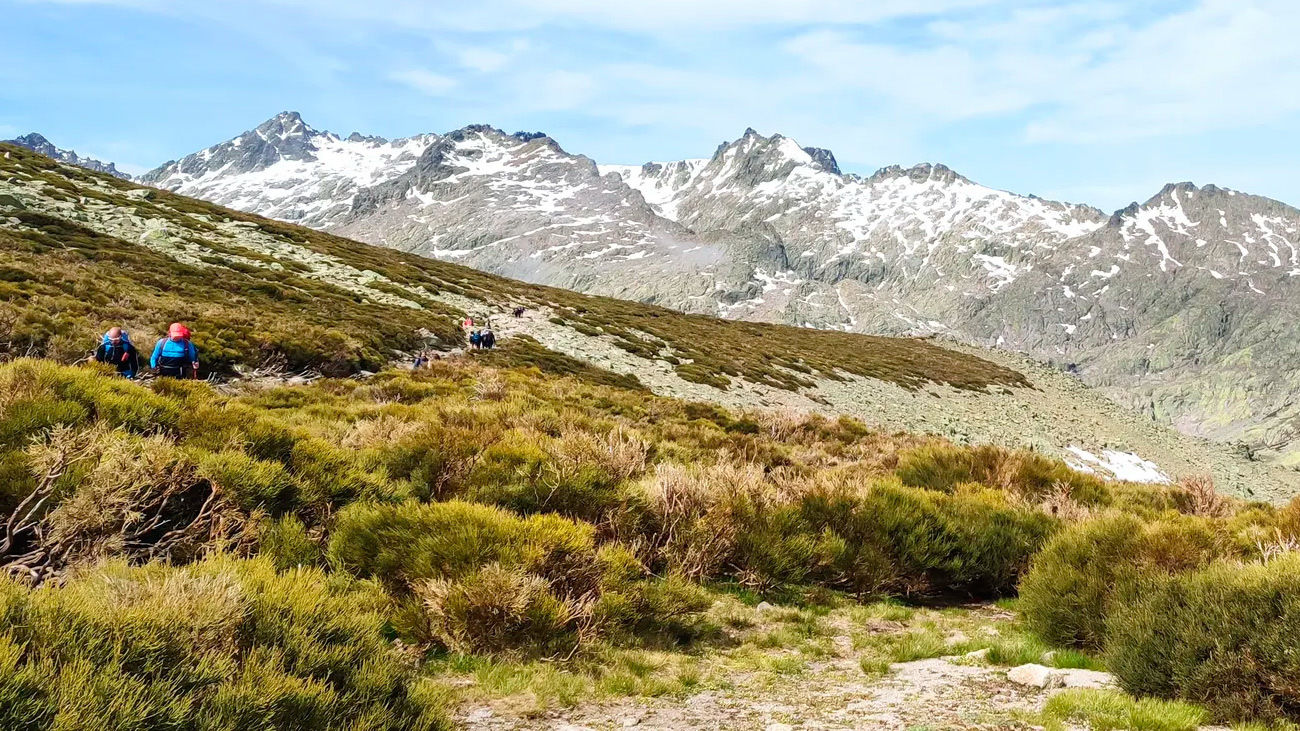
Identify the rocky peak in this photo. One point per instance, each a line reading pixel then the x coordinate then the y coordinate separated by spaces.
pixel 824 159
pixel 920 173
pixel 37 142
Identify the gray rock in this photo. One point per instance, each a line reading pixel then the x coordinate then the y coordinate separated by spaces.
pixel 1035 675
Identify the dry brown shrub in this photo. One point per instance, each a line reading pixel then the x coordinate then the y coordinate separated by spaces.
pixel 1202 499
pixel 1060 503
pixel 781 424
pixel 696 532
pixel 1279 544
pixel 490 387
pixel 379 432
pixel 502 611
pixel 136 497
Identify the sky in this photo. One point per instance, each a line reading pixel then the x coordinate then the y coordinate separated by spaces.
pixel 1093 102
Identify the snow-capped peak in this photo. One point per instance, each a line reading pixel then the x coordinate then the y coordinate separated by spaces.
pixel 286 169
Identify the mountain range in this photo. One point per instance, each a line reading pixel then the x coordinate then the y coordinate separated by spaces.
pixel 1182 307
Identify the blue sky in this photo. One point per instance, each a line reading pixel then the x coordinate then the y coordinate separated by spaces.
pixel 1097 102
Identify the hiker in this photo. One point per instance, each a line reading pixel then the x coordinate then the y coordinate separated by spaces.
pixel 175 356
pixel 489 339
pixel 475 339
pixel 116 348
pixel 519 312
pixel 467 323
pixel 421 359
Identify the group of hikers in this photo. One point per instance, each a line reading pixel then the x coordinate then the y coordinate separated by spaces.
pixel 481 338
pixel 173 356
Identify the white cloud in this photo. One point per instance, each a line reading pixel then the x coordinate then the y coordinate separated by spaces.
pixel 661 16
pixel 1082 74
pixel 425 81
pixel 483 60
pixel 558 90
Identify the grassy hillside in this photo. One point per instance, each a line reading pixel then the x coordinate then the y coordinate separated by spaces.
pixel 85 250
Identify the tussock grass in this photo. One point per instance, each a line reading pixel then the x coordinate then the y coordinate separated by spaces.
pixel 1110 710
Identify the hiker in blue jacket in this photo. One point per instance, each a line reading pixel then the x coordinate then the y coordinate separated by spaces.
pixel 475 339
pixel 175 356
pixel 116 349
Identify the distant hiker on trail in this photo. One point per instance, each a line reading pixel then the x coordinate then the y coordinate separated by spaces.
pixel 175 356
pixel 475 339
pixel 519 312
pixel 421 359
pixel 116 348
pixel 489 339
pixel 467 323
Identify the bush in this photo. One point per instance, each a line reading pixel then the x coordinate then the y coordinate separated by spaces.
pixel 1033 476
pixel 913 541
pixel 578 473
pixel 878 537
pixel 669 610
pixel 1091 567
pixel 97 493
pixel 251 483
pixel 412 542
pixel 500 611
pixel 220 644
pixel 287 544
pixel 331 476
pixel 1224 636
pixel 436 460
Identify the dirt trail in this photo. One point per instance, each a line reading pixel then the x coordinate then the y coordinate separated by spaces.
pixel 836 694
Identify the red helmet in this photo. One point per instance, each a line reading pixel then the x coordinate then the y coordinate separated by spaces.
pixel 178 331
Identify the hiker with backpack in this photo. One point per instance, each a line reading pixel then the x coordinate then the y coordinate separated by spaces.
pixel 489 339
pixel 116 349
pixel 175 356
pixel 475 340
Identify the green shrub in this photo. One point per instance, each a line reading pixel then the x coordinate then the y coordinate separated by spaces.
pixel 635 607
pixel 412 542
pixel 1225 636
pixel 1090 567
pixel 944 467
pixel 901 539
pixel 499 611
pixel 330 475
pixel 251 483
pixel 436 460
pixel 578 473
pixel 287 544
pixel 220 644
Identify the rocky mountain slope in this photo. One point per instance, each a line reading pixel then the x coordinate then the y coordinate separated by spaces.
pixel 285 169
pixel 84 251
pixel 1178 307
pixel 37 143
